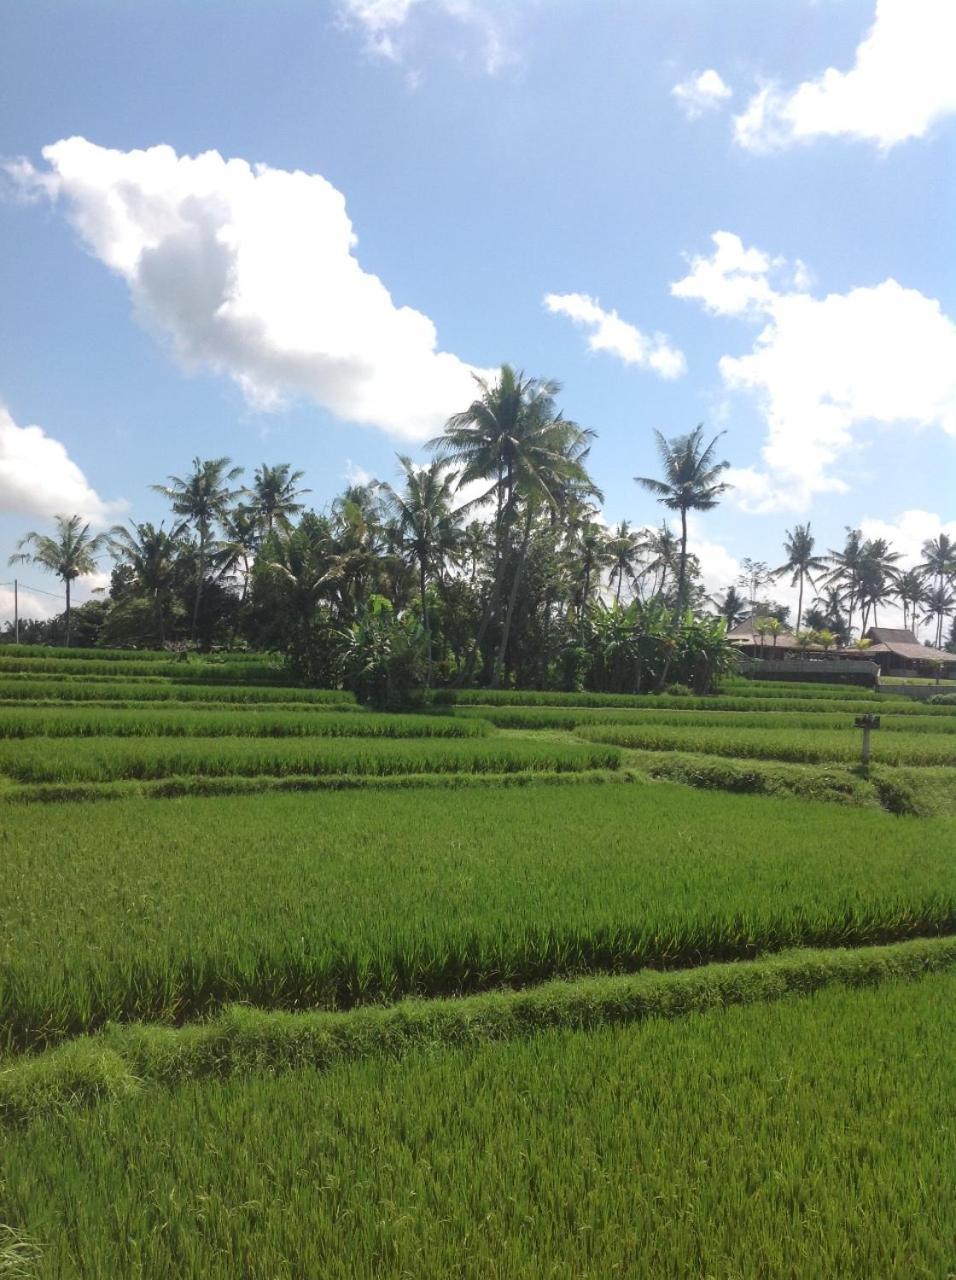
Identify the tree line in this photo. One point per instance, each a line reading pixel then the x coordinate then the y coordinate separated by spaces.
pixel 402 584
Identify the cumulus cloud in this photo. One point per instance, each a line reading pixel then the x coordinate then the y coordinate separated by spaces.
pixel 822 367
pixel 900 84
pixel 701 92
pixel 908 531
pixel 392 30
pixel 39 478
pixel 608 332
pixel 251 271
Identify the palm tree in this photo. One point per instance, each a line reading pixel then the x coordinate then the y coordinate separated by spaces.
pixel 691 483
pixel 846 572
pixel 732 608
pixel 274 494
pixel 202 498
pixel 664 551
pixel 625 547
pixel 71 554
pixel 800 562
pixel 911 591
pixel 151 554
pixel 877 577
pixel 428 527
pixel 509 439
pixel 939 603
pixel 940 564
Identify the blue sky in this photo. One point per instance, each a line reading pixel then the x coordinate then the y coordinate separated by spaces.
pixel 486 158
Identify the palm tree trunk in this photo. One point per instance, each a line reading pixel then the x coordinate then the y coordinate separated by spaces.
pixel 682 572
pixel 422 586
pixel 199 583
pixel 160 621
pixel 513 596
pixel 67 581
pixel 800 602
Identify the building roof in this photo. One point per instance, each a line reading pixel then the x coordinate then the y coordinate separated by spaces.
pixel 743 633
pixel 891 635
pixel 912 651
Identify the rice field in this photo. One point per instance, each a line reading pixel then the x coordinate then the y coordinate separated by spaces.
pixel 318 982
pixel 818 1143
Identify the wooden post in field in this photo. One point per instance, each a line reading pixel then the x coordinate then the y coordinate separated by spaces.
pixel 867 723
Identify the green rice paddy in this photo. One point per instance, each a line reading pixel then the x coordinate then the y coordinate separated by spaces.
pixel 324 991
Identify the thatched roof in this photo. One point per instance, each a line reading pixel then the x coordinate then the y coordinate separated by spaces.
pixel 743 633
pixel 903 644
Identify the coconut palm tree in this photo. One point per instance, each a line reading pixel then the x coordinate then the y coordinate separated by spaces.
pixel 625 547
pixel 845 574
pixel 71 554
pixel 732 607
pixel 939 602
pixel 664 551
pixel 800 563
pixel 939 564
pixel 151 555
pixel 512 441
pixel 273 495
pixel 428 526
pixel 911 592
pixel 202 498
pixel 691 483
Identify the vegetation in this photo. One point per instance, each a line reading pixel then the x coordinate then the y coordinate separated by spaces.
pixel 382 1166
pixel 140 909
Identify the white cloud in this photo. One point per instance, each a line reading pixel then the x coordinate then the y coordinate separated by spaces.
pixel 822 367
pixel 391 29
pixel 39 478
pixel 250 271
pixel 608 332
pixel 30 604
pixel 908 531
pixel 701 92
pixel 901 83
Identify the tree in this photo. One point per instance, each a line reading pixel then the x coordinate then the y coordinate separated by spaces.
pixel 71 554
pixel 150 554
pixel 800 563
pixel 202 499
pixel 754 576
pixel 911 592
pixel 939 602
pixel 732 607
pixel 273 495
pixel 846 572
pixel 625 547
pixel 512 441
pixel 428 527
pixel 691 483
pixel 940 564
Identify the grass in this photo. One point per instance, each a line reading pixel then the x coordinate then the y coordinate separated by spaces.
pixel 718 717
pixel 84 722
pixel 802 1137
pixel 193 670
pixel 923 792
pixel 740 692
pixel 797 745
pixel 58 690
pixel 145 910
pixel 103 759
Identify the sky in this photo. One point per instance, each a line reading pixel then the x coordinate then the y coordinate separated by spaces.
pixel 289 230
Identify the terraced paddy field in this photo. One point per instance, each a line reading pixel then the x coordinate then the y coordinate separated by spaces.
pixel 516 985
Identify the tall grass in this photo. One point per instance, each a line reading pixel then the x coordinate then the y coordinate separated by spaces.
pixel 542 698
pixel 793 1138
pixel 58 690
pixel 139 909
pixel 84 722
pixel 103 759
pixel 195 670
pixel 779 744
pixel 719 717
